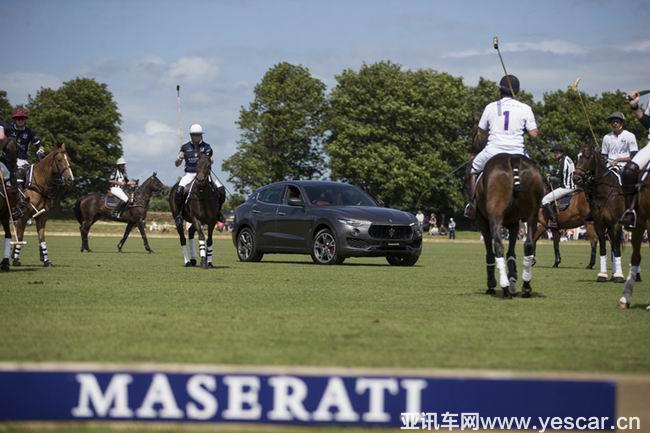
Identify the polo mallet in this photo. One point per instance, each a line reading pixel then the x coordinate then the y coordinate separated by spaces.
pixel 495 42
pixel 224 185
pixel 180 116
pixel 11 217
pixel 574 87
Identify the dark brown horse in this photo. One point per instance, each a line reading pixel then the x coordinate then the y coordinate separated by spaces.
pixel 55 165
pixel 92 207
pixel 509 191
pixel 571 217
pixel 605 196
pixel 642 223
pixel 202 206
pixel 7 203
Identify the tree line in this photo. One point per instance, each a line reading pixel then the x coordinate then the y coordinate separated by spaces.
pixel 402 135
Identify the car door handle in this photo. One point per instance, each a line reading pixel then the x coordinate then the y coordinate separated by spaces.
pixel 256 211
pixel 282 213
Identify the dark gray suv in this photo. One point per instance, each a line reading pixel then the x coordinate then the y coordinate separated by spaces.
pixel 329 220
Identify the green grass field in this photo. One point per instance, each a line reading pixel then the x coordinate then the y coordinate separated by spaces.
pixel 285 311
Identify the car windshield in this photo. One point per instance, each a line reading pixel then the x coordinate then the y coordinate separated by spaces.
pixel 337 195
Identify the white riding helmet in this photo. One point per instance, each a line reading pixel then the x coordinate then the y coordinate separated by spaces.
pixel 121 161
pixel 196 129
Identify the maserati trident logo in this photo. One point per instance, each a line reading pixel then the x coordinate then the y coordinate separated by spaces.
pixel 391 232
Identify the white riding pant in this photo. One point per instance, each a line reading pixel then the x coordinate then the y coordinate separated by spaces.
pixel 117 191
pixel 556 194
pixel 5 172
pixel 189 177
pixel 22 162
pixel 642 157
pixel 478 164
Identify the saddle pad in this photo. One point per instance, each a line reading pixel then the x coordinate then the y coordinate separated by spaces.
pixel 564 202
pixel 111 201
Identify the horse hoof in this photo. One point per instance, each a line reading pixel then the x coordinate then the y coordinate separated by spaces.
pixel 623 304
pixel 589 267
pixel 618 279
pixel 638 277
pixel 47 264
pixel 210 265
pixel 150 251
pixel 16 262
pixel 4 266
pixel 507 294
pixel 602 278
pixel 193 262
pixel 490 291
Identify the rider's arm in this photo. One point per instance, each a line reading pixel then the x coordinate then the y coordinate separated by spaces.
pixel 533 133
pixel 179 159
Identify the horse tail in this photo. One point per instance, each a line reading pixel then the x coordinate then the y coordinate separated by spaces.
pixel 77 211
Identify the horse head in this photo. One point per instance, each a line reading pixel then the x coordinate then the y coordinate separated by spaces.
pixel 9 148
pixel 203 168
pixel 57 163
pixel 588 165
pixel 152 183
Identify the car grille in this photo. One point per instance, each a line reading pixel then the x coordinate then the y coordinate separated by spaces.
pixel 390 232
pixel 357 243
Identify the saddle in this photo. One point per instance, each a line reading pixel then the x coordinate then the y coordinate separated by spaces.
pixel 616 171
pixel 564 202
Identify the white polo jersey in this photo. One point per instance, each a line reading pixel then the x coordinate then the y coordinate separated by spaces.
pixel 506 120
pixel 619 146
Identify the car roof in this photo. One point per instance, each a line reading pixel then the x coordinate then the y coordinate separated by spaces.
pixel 306 183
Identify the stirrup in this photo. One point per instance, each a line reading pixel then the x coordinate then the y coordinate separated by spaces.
pixel 470 211
pixel 629 219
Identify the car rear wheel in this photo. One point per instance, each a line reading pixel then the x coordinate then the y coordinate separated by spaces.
pixel 324 250
pixel 402 259
pixel 246 248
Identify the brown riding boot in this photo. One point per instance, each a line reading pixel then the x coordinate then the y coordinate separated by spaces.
pixel 551 214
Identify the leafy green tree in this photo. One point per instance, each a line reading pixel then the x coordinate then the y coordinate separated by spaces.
pixel 5 107
pixel 232 202
pixel 281 131
pixel 399 134
pixel 564 119
pixel 83 115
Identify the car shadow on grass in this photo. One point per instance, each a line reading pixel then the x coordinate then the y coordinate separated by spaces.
pixel 380 265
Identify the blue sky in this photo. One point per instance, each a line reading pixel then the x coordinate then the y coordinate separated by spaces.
pixel 218 50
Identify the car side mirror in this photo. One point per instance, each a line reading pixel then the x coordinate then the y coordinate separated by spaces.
pixel 296 201
pixel 380 203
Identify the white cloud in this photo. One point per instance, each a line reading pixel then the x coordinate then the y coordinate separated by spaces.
pixel 639 46
pixel 156 139
pixel 20 84
pixel 549 46
pixel 192 70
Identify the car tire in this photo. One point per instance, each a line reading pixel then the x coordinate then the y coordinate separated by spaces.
pixel 246 247
pixel 324 250
pixel 402 259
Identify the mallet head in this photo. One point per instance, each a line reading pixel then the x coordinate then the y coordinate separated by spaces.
pixel 495 42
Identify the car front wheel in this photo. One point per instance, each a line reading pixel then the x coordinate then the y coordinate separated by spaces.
pixel 246 248
pixel 402 259
pixel 324 250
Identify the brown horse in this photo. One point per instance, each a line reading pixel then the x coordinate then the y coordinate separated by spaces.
pixel 571 217
pixel 510 190
pixel 5 210
pixel 642 223
pixel 605 196
pixel 202 206
pixel 45 172
pixel 92 207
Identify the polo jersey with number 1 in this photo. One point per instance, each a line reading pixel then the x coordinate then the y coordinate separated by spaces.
pixel 507 120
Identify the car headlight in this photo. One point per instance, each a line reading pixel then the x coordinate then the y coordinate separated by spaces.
pixel 354 223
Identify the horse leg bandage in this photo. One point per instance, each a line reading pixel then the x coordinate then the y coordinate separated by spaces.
pixel 603 264
pixel 503 273
pixel 210 254
pixel 43 247
pixel 629 285
pixel 17 249
pixel 528 268
pixel 186 257
pixel 192 249
pixel 201 248
pixel 7 249
pixel 617 268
